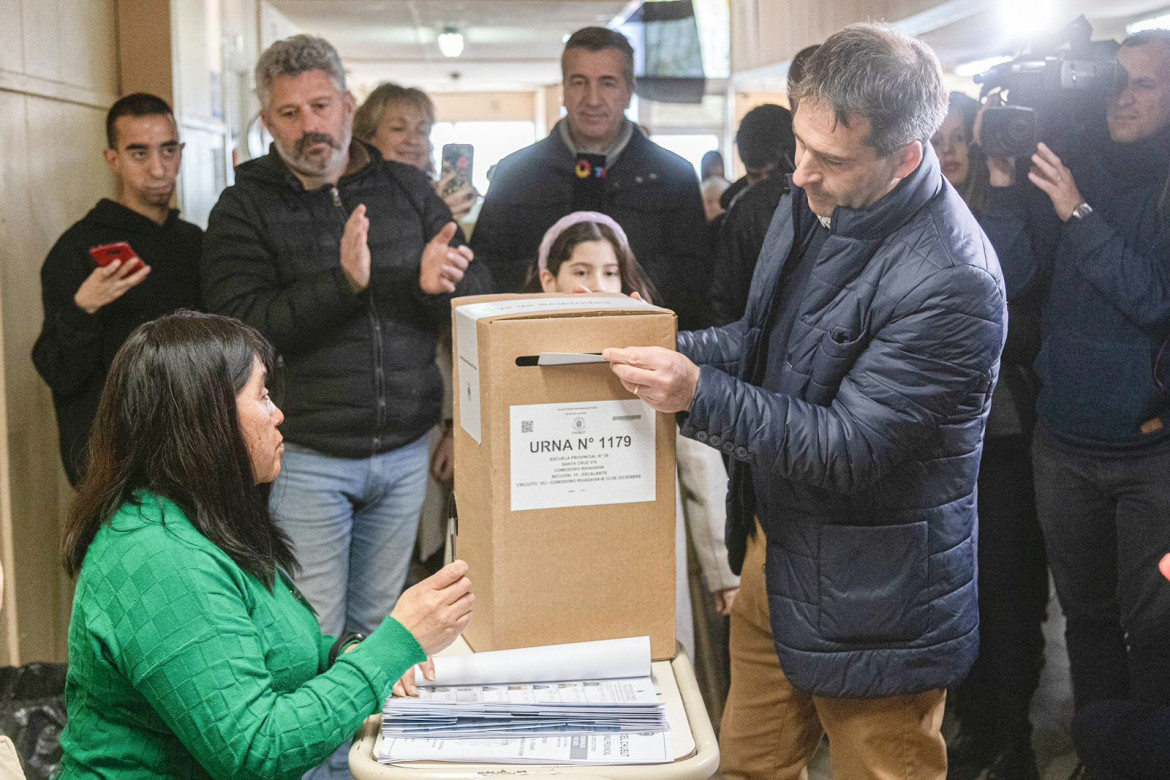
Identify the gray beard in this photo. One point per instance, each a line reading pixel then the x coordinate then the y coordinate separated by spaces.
pixel 330 168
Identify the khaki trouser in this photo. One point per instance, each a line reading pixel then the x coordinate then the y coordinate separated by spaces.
pixel 771 730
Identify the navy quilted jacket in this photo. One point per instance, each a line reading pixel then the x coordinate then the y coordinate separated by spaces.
pixel 873 438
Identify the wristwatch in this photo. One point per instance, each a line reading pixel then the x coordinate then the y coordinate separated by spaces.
pixel 1082 210
pixel 342 644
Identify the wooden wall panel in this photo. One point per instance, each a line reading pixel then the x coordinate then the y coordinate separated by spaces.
pixel 58 74
pixel 766 32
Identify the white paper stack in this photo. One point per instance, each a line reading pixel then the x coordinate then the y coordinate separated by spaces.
pixel 589 702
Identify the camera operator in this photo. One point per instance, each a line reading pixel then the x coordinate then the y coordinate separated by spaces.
pixel 1091 238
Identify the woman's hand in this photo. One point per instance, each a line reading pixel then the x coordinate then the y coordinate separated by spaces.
pixel 407 685
pixel 437 609
pixel 459 200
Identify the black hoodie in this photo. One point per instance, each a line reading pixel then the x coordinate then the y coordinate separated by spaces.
pixel 75 349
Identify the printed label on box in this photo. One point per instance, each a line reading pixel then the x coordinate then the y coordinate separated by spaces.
pixel 582 454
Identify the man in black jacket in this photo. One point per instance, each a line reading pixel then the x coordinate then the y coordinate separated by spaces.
pixel 1090 233
pixel 766 146
pixel 852 398
pixel 652 193
pixel 91 308
pixel 342 260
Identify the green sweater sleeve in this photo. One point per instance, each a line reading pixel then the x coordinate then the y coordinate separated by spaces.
pixel 199 660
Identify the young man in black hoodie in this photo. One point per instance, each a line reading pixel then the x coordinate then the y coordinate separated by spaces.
pixel 91 308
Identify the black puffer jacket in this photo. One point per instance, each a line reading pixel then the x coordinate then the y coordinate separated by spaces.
pixel 872 440
pixel 360 375
pixel 741 236
pixel 651 192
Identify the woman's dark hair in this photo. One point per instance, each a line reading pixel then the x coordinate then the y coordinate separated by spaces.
pixel 167 423
pixel 976 187
pixel 583 232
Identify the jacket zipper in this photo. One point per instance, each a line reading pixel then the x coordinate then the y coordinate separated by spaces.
pixel 376 331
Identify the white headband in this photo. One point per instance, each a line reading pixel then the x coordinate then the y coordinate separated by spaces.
pixel 562 224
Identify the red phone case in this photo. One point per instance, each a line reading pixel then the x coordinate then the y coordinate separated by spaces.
pixel 107 253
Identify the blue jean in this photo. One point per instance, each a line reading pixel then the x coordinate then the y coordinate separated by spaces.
pixel 353 524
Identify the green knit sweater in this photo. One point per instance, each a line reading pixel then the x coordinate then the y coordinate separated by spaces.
pixel 183 665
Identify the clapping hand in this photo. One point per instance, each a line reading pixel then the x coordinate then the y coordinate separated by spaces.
pixel 442 265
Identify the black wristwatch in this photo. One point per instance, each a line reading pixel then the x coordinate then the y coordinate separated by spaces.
pixel 342 644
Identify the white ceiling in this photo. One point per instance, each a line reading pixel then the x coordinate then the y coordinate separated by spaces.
pixel 516 44
pixel 509 44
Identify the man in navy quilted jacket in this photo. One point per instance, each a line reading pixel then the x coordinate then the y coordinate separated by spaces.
pixel 851 398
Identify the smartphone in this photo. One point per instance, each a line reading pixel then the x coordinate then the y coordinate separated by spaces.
pixel 107 253
pixel 457 159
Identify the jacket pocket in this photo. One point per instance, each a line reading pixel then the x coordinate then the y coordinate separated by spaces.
pixel 873 580
pixel 831 360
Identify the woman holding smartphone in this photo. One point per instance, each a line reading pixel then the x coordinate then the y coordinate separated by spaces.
pixel 397 121
pixel 191 651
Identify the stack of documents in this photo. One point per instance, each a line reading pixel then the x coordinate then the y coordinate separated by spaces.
pixel 589 702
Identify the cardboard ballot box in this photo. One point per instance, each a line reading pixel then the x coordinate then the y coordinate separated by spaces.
pixel 564 481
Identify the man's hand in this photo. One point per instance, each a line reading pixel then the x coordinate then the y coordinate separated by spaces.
pixel 663 378
pixel 106 284
pixel 1164 566
pixel 355 249
pixel 443 459
pixel 1050 175
pixel 442 266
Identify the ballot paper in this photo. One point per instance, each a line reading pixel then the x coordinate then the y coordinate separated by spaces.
pixel 568 358
pixel 588 702
pixel 599 749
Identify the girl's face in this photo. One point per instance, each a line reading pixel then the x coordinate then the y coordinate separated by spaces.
pixel 593 267
pixel 403 135
pixel 952 146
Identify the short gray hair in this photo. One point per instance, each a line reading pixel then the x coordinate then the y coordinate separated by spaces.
pixel 294 56
pixel 873 71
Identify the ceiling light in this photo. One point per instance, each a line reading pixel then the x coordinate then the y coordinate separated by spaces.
pixel 966 70
pixel 451 42
pixel 1029 17
pixel 1153 23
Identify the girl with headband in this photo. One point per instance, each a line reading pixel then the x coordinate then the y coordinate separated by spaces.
pixel 587 251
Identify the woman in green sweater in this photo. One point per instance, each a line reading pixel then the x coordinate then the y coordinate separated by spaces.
pixel 191 652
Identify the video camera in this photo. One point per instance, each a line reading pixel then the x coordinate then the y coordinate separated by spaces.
pixel 1051 92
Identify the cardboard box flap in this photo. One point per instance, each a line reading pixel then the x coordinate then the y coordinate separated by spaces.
pixel 468 312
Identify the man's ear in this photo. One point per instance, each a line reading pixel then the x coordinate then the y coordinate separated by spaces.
pixel 909 158
pixel 111 157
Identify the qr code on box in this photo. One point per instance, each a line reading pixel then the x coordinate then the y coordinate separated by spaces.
pixel 526 426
